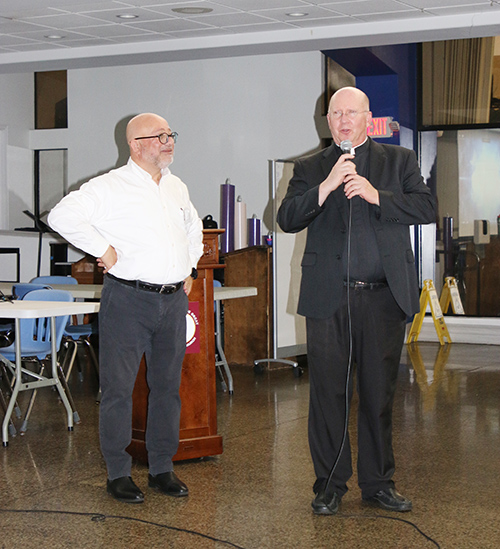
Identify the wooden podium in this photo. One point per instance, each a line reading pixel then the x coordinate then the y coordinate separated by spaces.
pixel 198 425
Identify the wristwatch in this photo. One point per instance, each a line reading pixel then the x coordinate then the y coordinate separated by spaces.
pixel 194 273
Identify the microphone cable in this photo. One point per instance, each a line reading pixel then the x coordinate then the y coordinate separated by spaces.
pixel 349 361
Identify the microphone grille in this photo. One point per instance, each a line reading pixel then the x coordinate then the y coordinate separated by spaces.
pixel 346 146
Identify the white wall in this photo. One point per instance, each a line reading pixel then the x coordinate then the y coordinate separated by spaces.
pixel 16 119
pixel 232 115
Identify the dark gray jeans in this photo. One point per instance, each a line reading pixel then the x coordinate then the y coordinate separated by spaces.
pixel 134 322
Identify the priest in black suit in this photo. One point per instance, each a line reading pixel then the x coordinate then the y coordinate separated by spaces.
pixel 358 286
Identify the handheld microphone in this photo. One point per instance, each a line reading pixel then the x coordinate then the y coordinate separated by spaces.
pixel 346 146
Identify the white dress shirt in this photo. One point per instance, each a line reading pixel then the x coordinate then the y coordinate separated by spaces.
pixel 154 228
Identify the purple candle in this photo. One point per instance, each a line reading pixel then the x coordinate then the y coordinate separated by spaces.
pixel 254 230
pixel 227 216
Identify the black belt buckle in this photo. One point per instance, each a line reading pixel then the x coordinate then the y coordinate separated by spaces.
pixel 360 285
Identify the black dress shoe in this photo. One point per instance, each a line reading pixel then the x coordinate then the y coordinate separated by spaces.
pixel 325 505
pixel 124 489
pixel 391 500
pixel 168 483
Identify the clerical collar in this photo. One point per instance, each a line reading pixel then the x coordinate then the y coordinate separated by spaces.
pixel 362 144
pixel 359 148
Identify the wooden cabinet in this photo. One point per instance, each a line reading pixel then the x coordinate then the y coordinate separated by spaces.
pixel 482 278
pixel 198 425
pixel 248 322
pixel 86 271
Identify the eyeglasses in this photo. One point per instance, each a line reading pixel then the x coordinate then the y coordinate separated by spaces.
pixel 162 138
pixel 350 114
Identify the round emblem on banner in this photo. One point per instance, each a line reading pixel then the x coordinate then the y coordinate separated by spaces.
pixel 191 325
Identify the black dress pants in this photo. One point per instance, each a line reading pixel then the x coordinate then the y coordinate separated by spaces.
pixel 134 322
pixel 368 329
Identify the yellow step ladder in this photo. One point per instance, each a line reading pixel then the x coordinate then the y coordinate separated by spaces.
pixel 429 297
pixel 451 295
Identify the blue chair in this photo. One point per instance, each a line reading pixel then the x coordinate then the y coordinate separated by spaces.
pixel 21 289
pixel 75 333
pixel 53 279
pixel 36 344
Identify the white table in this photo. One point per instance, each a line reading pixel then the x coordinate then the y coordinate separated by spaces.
pixel 38 309
pixel 93 291
pixel 220 294
pixel 83 291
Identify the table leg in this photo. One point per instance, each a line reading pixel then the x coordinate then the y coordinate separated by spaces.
pixel 222 356
pixel 55 375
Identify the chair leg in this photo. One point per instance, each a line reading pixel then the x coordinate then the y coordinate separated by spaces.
pixel 71 360
pixel 64 383
pixel 96 366
pixel 93 355
pixel 3 403
pixel 24 425
pixel 8 379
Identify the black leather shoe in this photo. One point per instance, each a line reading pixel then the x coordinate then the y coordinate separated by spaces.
pixel 124 489
pixel 325 505
pixel 391 500
pixel 168 483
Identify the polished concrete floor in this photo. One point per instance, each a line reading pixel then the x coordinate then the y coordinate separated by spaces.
pixel 257 494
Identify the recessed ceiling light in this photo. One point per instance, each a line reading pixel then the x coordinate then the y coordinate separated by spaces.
pixel 297 14
pixel 54 36
pixel 127 16
pixel 192 11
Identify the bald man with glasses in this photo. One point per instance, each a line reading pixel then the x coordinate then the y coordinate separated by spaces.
pixel 139 222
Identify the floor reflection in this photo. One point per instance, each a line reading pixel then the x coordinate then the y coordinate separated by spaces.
pixel 257 494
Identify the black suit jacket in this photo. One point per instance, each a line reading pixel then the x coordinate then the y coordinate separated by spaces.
pixel 404 200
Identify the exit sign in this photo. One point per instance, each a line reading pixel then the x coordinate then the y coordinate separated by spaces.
pixel 383 127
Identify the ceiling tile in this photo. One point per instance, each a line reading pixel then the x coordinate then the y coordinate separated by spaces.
pixel 443 3
pixel 484 8
pixel 25 23
pixel 42 34
pixel 366 6
pixel 378 17
pixel 266 27
pixel 64 21
pixel 111 16
pixel 216 8
pixel 312 12
pixel 252 5
pixel 230 19
pixel 167 25
pixel 106 31
pixel 325 21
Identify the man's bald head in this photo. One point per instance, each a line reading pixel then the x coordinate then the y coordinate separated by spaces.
pixel 146 150
pixel 142 123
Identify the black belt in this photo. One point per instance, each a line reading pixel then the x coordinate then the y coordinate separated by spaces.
pixel 358 285
pixel 158 288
